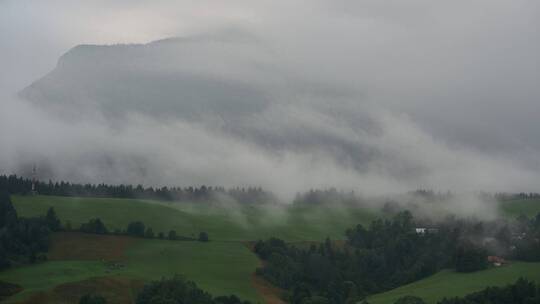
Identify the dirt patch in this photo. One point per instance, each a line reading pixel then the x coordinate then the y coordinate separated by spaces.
pixel 118 290
pixel 83 246
pixel 270 293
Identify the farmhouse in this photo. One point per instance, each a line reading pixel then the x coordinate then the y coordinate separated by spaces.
pixel 496 261
pixel 424 230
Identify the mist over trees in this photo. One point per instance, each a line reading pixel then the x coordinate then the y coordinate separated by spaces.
pixel 379 97
pixel 253 195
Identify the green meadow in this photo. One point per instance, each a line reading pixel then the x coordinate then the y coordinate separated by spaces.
pixel 222 268
pixel 221 222
pixel 225 265
pixel 449 283
pixel 514 208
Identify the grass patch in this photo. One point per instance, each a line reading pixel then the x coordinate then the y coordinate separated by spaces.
pixel 224 265
pixel 222 268
pixel 222 222
pixel 514 208
pixel 116 289
pixel 44 276
pixel 449 283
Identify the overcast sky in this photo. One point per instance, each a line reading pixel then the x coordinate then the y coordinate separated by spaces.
pixel 289 95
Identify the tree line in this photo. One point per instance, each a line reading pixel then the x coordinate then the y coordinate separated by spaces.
pixel 515 196
pixel 18 185
pixel 135 229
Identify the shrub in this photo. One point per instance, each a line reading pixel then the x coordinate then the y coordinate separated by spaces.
pixel 149 233
pixel 203 237
pixel 136 229
pixel 94 226
pixel 92 299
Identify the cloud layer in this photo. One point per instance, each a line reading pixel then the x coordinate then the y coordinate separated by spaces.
pixel 373 96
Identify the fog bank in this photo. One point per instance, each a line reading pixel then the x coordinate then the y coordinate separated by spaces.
pixel 374 97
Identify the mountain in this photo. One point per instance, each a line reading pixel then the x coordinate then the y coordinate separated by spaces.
pixel 182 77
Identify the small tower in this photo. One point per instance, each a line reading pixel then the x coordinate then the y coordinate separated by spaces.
pixel 34 179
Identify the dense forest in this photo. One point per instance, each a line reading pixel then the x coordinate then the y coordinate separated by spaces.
pixel 391 253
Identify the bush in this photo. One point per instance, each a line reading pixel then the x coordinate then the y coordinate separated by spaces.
pixel 52 220
pixel 136 229
pixel 203 237
pixel 94 226
pixel 149 233
pixel 92 299
pixel 172 235
pixel 175 290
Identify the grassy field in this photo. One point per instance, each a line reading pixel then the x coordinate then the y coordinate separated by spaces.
pixel 45 276
pixel 449 283
pixel 222 268
pixel 229 223
pixel 514 208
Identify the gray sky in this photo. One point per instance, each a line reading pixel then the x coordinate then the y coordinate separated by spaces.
pixel 367 95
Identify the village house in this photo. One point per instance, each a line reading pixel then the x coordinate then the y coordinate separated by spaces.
pixel 424 230
pixel 496 261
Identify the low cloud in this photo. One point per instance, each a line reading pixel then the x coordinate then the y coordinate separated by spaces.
pixel 377 98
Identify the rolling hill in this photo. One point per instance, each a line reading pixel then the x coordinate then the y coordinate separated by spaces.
pixel 222 268
pixel 449 283
pixel 221 222
pixel 80 263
